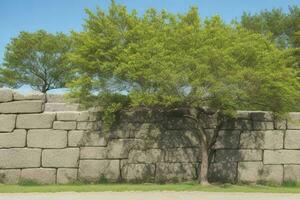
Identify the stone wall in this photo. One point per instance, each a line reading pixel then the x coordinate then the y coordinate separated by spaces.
pixel 144 146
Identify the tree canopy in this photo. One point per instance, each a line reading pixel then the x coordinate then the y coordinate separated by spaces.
pixel 37 59
pixel 163 59
pixel 283 27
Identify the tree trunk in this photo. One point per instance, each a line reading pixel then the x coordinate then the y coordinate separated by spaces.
pixel 203 180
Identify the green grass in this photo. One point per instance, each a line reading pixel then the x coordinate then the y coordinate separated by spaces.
pixel 148 187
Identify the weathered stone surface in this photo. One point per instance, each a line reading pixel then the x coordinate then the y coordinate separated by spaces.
pixel 6 95
pixel 93 153
pixel 55 98
pixel 87 116
pixel 10 176
pixel 238 155
pixel 146 130
pixel 272 173
pixel 261 116
pixel 19 158
pixel 60 157
pixel 258 125
pixel 7 123
pixel 238 124
pixel 292 139
pixel 270 139
pixel 147 156
pixel 39 175
pixel 66 175
pixel 175 172
pixel 124 130
pixel 241 114
pixel 88 125
pixel 223 172
pixel 60 125
pixel 174 138
pixel 228 139
pixel 280 124
pixel 293 120
pixel 14 139
pixel 31 96
pixel 119 148
pixel 86 138
pixel 256 171
pixel 99 170
pixel 138 172
pixel 67 115
pixel 281 157
pixel 44 120
pixel 22 107
pixel 183 155
pixel 47 138
pixel 292 173
pixel 53 107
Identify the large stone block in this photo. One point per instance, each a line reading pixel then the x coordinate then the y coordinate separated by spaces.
pixel 258 125
pixel 238 124
pixel 99 170
pixel 147 156
pixel 20 158
pixel 93 153
pixel 238 155
pixel 293 120
pixel 86 138
pixel 256 171
pixel 22 107
pixel 7 123
pixel 32 96
pixel 66 175
pixel 53 107
pixel 89 125
pixel 44 120
pixel 175 172
pixel 183 155
pixel 228 139
pixel 39 175
pixel 47 138
pixel 292 173
pixel 87 116
pixel 6 95
pixel 223 172
pixel 281 157
pixel 60 125
pixel 67 115
pixel 14 139
pixel 174 138
pixel 10 176
pixel 261 116
pixel 292 139
pixel 119 148
pixel 138 172
pixel 270 139
pixel 60 157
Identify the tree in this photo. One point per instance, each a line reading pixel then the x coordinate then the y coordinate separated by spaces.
pixel 37 59
pixel 283 27
pixel 167 61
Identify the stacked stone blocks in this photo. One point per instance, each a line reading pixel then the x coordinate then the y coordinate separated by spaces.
pixel 60 147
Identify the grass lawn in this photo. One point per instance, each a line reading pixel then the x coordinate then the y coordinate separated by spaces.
pixel 148 187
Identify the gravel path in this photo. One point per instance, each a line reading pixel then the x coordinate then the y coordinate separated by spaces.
pixel 148 196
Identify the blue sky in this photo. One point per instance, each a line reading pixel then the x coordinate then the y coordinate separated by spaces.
pixel 66 15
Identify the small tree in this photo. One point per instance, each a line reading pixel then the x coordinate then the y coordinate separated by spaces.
pixel 37 59
pixel 172 61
